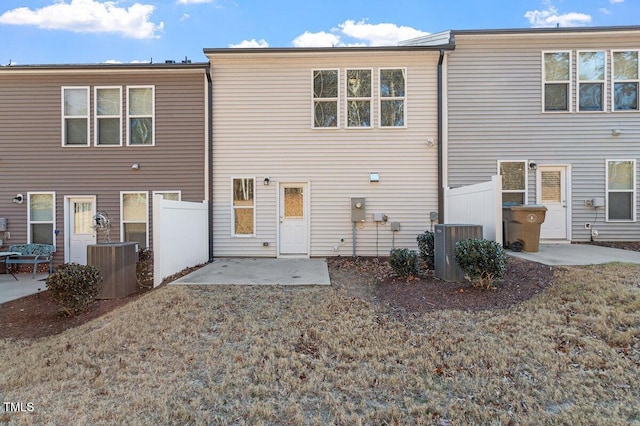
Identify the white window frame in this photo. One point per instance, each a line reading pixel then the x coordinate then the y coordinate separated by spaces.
pixel 545 82
pixel 96 117
pixel 327 100
pixel 65 117
pixel 347 99
pixel 526 180
pixel 169 192
pixel 614 81
pixel 152 116
pixel 633 190
pixel 393 98
pixel 122 221
pixel 233 208
pixel 52 222
pixel 603 82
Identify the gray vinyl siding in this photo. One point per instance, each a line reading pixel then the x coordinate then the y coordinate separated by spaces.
pixel 262 125
pixel 494 99
pixel 33 158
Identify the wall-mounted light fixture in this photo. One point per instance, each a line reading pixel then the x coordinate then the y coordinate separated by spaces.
pixel 430 142
pixel 533 165
pixel 616 132
pixel 266 181
pixel 18 199
pixel 374 177
pixel 135 166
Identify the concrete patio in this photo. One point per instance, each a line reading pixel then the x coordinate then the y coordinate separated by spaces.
pixel 577 254
pixel 11 289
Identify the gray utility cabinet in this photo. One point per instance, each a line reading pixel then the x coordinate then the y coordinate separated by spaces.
pixel 117 264
pixel 445 238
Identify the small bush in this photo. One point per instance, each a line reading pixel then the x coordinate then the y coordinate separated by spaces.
pixel 483 261
pixel 404 262
pixel 425 244
pixel 74 286
pixel 144 268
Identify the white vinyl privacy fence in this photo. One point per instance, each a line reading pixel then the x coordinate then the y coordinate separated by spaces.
pixel 180 236
pixel 479 204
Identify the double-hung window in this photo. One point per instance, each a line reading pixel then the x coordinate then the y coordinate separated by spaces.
pixel 135 217
pixel 140 115
pixel 244 207
pixel 557 81
pixel 41 217
pixel 325 98
pixel 626 79
pixel 358 89
pixel 108 116
pixel 514 181
pixel 393 97
pixel 75 116
pixel 621 190
pixel 591 81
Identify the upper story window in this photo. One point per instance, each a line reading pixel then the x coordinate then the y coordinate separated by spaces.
pixel 140 115
pixel 358 88
pixel 557 81
pixel 41 217
pixel 393 97
pixel 626 78
pixel 108 116
pixel 325 98
pixel 514 181
pixel 75 116
pixel 591 81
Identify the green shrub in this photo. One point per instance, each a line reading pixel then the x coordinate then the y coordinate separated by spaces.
pixel 144 268
pixel 404 262
pixel 425 244
pixel 483 261
pixel 74 286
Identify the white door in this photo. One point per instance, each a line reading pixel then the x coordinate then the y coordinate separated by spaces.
pixel 294 220
pixel 552 193
pixel 79 230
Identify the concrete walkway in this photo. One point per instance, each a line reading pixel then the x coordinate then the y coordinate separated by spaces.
pixel 10 289
pixel 251 271
pixel 577 254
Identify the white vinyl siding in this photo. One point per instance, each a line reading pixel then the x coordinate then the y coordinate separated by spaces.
pixel 625 80
pixel 41 217
pixel 621 190
pixel 134 214
pixel 263 104
pixel 141 122
pixel 108 116
pixel 75 116
pixel 591 85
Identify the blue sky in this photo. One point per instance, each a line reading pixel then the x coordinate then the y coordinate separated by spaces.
pixel 92 31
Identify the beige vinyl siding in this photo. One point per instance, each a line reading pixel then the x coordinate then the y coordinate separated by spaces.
pixel 34 160
pixel 495 113
pixel 262 127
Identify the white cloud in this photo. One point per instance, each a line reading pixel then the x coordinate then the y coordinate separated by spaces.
pixel 605 11
pixel 319 39
pixel 361 33
pixel 185 17
pixel 379 34
pixel 251 43
pixel 88 16
pixel 616 1
pixel 551 18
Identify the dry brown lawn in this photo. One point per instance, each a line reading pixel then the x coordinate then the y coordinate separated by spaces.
pixel 283 355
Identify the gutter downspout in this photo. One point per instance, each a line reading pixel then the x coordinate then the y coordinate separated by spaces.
pixel 209 119
pixel 440 142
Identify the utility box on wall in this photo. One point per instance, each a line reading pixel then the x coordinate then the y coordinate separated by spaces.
pixel 445 239
pixel 357 209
